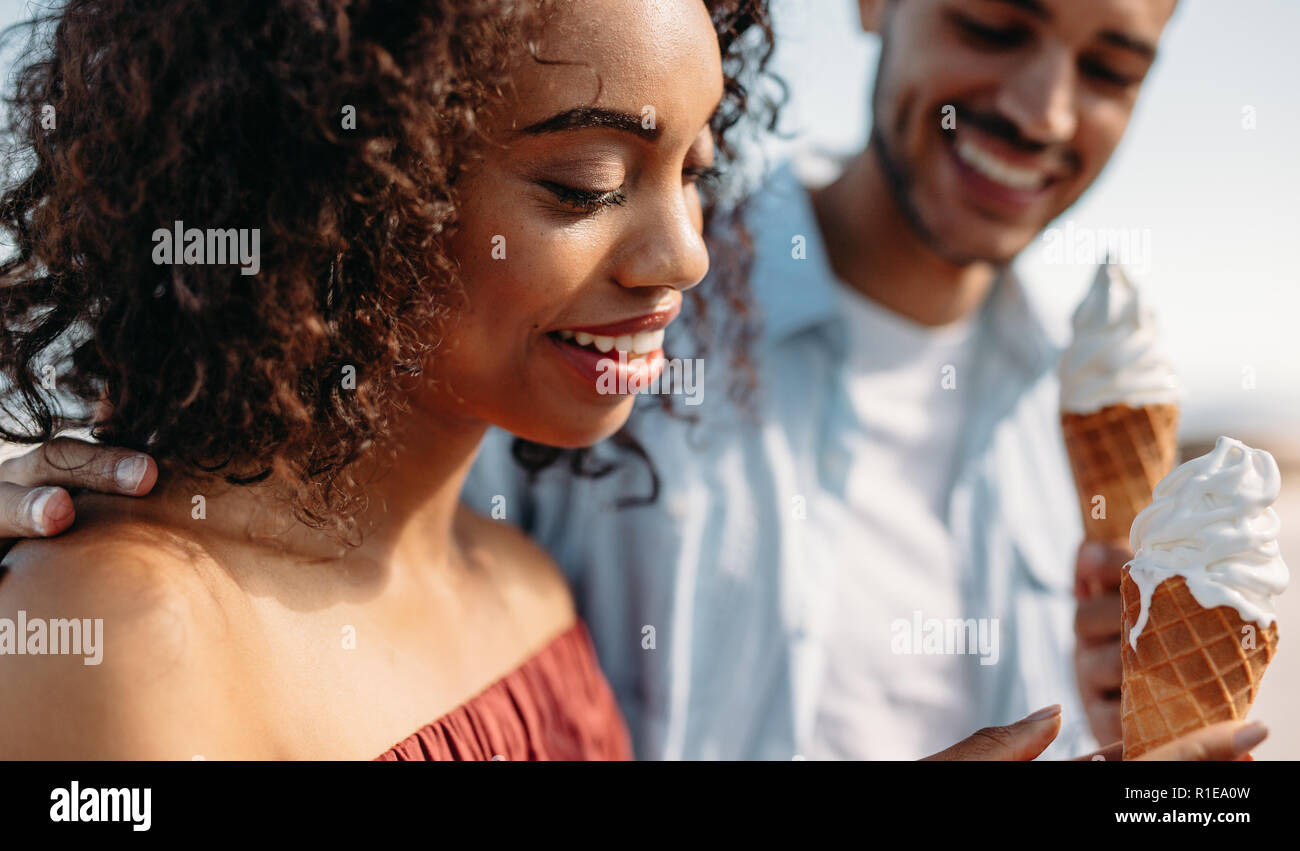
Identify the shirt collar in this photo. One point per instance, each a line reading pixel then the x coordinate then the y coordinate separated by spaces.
pixel 795 295
pixel 791 280
pixel 1014 326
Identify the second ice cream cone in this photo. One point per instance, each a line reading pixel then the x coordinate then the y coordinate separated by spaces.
pixel 1118 454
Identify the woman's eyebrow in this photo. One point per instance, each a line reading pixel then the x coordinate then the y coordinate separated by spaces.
pixel 587 117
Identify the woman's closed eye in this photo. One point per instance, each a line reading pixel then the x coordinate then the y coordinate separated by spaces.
pixel 591 201
pixel 587 201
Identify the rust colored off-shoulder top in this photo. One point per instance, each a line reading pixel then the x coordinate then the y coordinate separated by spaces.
pixel 556 705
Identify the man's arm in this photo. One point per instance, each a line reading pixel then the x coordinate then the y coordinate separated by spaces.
pixel 34 502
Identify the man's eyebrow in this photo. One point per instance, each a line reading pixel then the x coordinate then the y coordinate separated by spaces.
pixel 1033 7
pixel 1145 48
pixel 587 117
pixel 1113 37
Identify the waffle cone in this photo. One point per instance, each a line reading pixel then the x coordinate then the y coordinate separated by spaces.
pixel 1119 453
pixel 1190 669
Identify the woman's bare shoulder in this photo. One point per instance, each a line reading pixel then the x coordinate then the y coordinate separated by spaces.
pixel 524 573
pixel 110 645
pixel 133 568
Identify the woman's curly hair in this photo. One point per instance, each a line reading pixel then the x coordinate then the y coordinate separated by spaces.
pixel 135 114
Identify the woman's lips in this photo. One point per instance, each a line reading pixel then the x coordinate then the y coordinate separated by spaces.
pixel 613 372
pixel 649 322
pixel 617 357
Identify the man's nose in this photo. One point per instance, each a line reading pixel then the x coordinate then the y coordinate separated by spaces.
pixel 1040 99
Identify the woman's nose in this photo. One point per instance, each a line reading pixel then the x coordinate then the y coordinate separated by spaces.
pixel 667 249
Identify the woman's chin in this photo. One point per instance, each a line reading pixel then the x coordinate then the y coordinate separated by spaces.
pixel 581 426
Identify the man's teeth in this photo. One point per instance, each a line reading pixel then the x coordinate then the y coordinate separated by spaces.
pixel 997 169
pixel 634 344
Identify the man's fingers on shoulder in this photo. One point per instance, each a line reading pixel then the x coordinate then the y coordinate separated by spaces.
pixel 77 464
pixel 33 512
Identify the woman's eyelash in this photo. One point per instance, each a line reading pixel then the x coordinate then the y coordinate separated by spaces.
pixel 592 201
pixel 585 200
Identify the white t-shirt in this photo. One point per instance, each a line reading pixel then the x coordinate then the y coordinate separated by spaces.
pixel 906 396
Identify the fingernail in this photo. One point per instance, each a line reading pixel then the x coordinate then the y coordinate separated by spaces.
pixel 130 472
pixel 39 499
pixel 1045 713
pixel 1249 736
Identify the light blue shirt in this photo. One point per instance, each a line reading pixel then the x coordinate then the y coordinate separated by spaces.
pixel 709 607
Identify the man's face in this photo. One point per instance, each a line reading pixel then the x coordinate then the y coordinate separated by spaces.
pixel 993 116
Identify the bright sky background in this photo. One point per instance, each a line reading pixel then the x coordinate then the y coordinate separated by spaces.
pixel 1220 202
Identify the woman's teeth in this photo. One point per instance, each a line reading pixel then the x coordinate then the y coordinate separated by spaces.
pixel 997 169
pixel 634 345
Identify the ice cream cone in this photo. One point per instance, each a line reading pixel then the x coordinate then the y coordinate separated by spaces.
pixel 1192 667
pixel 1199 622
pixel 1119 453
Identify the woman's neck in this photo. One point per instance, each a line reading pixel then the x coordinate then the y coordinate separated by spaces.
pixel 409 495
pixel 412 504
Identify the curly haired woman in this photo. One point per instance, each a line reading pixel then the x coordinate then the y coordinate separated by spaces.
pixel 445 197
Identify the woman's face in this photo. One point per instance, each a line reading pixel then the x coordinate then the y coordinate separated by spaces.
pixel 583 219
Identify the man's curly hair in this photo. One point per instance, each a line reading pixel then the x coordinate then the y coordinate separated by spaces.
pixel 134 114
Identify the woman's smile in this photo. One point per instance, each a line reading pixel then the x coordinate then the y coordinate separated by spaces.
pixel 628 350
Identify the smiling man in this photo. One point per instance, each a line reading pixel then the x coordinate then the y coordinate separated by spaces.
pixel 991 117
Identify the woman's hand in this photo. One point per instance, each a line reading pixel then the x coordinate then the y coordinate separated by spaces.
pixel 1227 741
pixel 33 499
pixel 1022 740
pixel 1029 737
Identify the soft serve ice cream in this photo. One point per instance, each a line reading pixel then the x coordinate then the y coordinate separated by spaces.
pixel 1115 357
pixel 1212 523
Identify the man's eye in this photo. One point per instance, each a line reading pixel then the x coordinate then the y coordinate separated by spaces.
pixel 1001 37
pixel 585 200
pixel 1098 71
